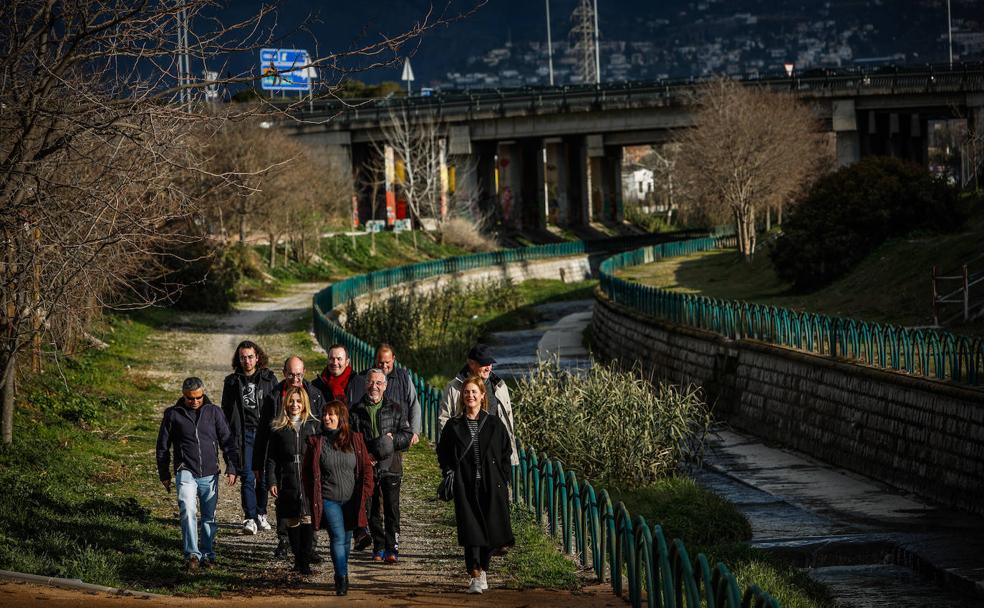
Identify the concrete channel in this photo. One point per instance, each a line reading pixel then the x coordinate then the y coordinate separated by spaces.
pixel 872 546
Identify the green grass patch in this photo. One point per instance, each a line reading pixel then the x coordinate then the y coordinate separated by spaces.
pixel 892 285
pixel 536 561
pixel 342 256
pixel 686 511
pixel 792 587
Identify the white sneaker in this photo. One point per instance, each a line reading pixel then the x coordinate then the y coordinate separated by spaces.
pixel 249 526
pixel 475 585
pixel 484 580
pixel 264 524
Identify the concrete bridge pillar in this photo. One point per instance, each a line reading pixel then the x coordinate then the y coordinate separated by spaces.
pixel 975 128
pixel 556 172
pixel 845 127
pixel 473 167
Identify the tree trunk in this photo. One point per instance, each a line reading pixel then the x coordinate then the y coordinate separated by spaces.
pixel 286 243
pixel 779 215
pixel 7 418
pixel 273 251
pixel 242 228
pixel 768 218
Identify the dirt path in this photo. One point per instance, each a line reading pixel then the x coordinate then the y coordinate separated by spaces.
pixel 430 569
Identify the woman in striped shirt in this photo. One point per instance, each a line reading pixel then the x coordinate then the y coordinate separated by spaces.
pixel 477 448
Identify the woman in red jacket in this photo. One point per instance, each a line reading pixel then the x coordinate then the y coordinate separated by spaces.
pixel 338 475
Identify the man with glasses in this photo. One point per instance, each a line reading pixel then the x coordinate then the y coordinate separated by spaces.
pixel 386 430
pixel 293 378
pixel 195 429
pixel 244 393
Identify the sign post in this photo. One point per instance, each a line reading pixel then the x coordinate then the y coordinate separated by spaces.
pixel 407 74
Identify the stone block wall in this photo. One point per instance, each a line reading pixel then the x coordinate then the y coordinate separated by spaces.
pixel 915 434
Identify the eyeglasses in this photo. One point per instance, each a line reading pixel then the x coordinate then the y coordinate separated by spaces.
pixel 298 375
pixel 376 382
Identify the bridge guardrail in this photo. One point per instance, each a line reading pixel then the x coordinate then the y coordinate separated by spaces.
pixel 920 79
pixel 929 353
pixel 604 534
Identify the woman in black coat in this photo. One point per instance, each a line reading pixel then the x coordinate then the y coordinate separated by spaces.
pixel 285 453
pixel 482 471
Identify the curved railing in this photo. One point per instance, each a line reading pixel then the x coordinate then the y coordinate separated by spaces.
pixel 633 555
pixel 922 352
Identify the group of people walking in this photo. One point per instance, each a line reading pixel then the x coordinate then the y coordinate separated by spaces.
pixel 330 453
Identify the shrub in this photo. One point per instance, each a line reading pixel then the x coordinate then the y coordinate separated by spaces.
pixel 609 425
pixel 849 212
pixel 464 233
pixel 204 276
pixel 650 222
pixel 429 329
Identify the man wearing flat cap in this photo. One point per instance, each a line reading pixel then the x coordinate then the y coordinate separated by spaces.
pixel 480 364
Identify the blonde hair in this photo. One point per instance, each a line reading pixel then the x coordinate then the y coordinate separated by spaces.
pixel 284 419
pixel 477 381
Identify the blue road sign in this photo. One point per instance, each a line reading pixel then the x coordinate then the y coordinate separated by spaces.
pixel 286 70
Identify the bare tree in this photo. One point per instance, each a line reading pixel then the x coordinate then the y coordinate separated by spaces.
pixel 418 144
pixel 99 130
pixel 751 148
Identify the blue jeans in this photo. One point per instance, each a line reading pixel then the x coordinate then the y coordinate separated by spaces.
pixel 206 490
pixel 341 539
pixel 254 489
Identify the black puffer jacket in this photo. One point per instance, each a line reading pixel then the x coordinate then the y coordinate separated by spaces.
pixel 391 418
pixel 232 405
pixel 196 441
pixel 285 455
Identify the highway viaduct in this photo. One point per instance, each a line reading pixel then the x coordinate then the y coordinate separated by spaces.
pixel 554 156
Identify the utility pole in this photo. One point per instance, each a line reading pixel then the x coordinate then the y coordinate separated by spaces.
pixel 549 44
pixel 184 64
pixel 949 31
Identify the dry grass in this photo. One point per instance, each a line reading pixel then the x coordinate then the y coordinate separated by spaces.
pixel 466 234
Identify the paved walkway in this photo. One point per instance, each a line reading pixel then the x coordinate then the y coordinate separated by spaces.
pixel 852 531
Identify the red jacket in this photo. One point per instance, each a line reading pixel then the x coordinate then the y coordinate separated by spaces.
pixel 355 510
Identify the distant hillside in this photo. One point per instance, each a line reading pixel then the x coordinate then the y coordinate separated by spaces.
pixel 641 38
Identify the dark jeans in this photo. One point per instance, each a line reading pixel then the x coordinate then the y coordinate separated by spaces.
pixel 253 490
pixel 385 529
pixel 477 558
pixel 282 533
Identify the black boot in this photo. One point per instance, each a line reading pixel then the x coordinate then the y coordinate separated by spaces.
pixel 341 585
pixel 302 554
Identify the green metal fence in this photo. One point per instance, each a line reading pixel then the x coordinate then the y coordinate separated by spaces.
pixel 923 352
pixel 627 551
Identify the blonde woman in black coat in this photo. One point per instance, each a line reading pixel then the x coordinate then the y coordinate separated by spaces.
pixel 477 447
pixel 285 453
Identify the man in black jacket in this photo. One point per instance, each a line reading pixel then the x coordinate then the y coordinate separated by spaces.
pixel 195 428
pixel 244 393
pixel 387 434
pixel 293 377
pixel 399 388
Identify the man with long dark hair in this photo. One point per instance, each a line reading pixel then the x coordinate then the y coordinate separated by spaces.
pixel 243 395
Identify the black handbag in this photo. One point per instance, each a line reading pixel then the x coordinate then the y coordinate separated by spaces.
pixel 445 489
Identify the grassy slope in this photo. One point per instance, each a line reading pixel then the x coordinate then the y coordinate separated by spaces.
pixel 891 285
pixel 82 471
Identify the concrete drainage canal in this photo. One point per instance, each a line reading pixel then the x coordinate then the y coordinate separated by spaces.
pixel 872 547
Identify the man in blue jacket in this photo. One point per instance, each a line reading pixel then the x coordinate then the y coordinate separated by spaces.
pixel 195 428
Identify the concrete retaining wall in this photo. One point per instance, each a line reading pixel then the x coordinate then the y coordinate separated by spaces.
pixel 919 435
pixel 569 270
